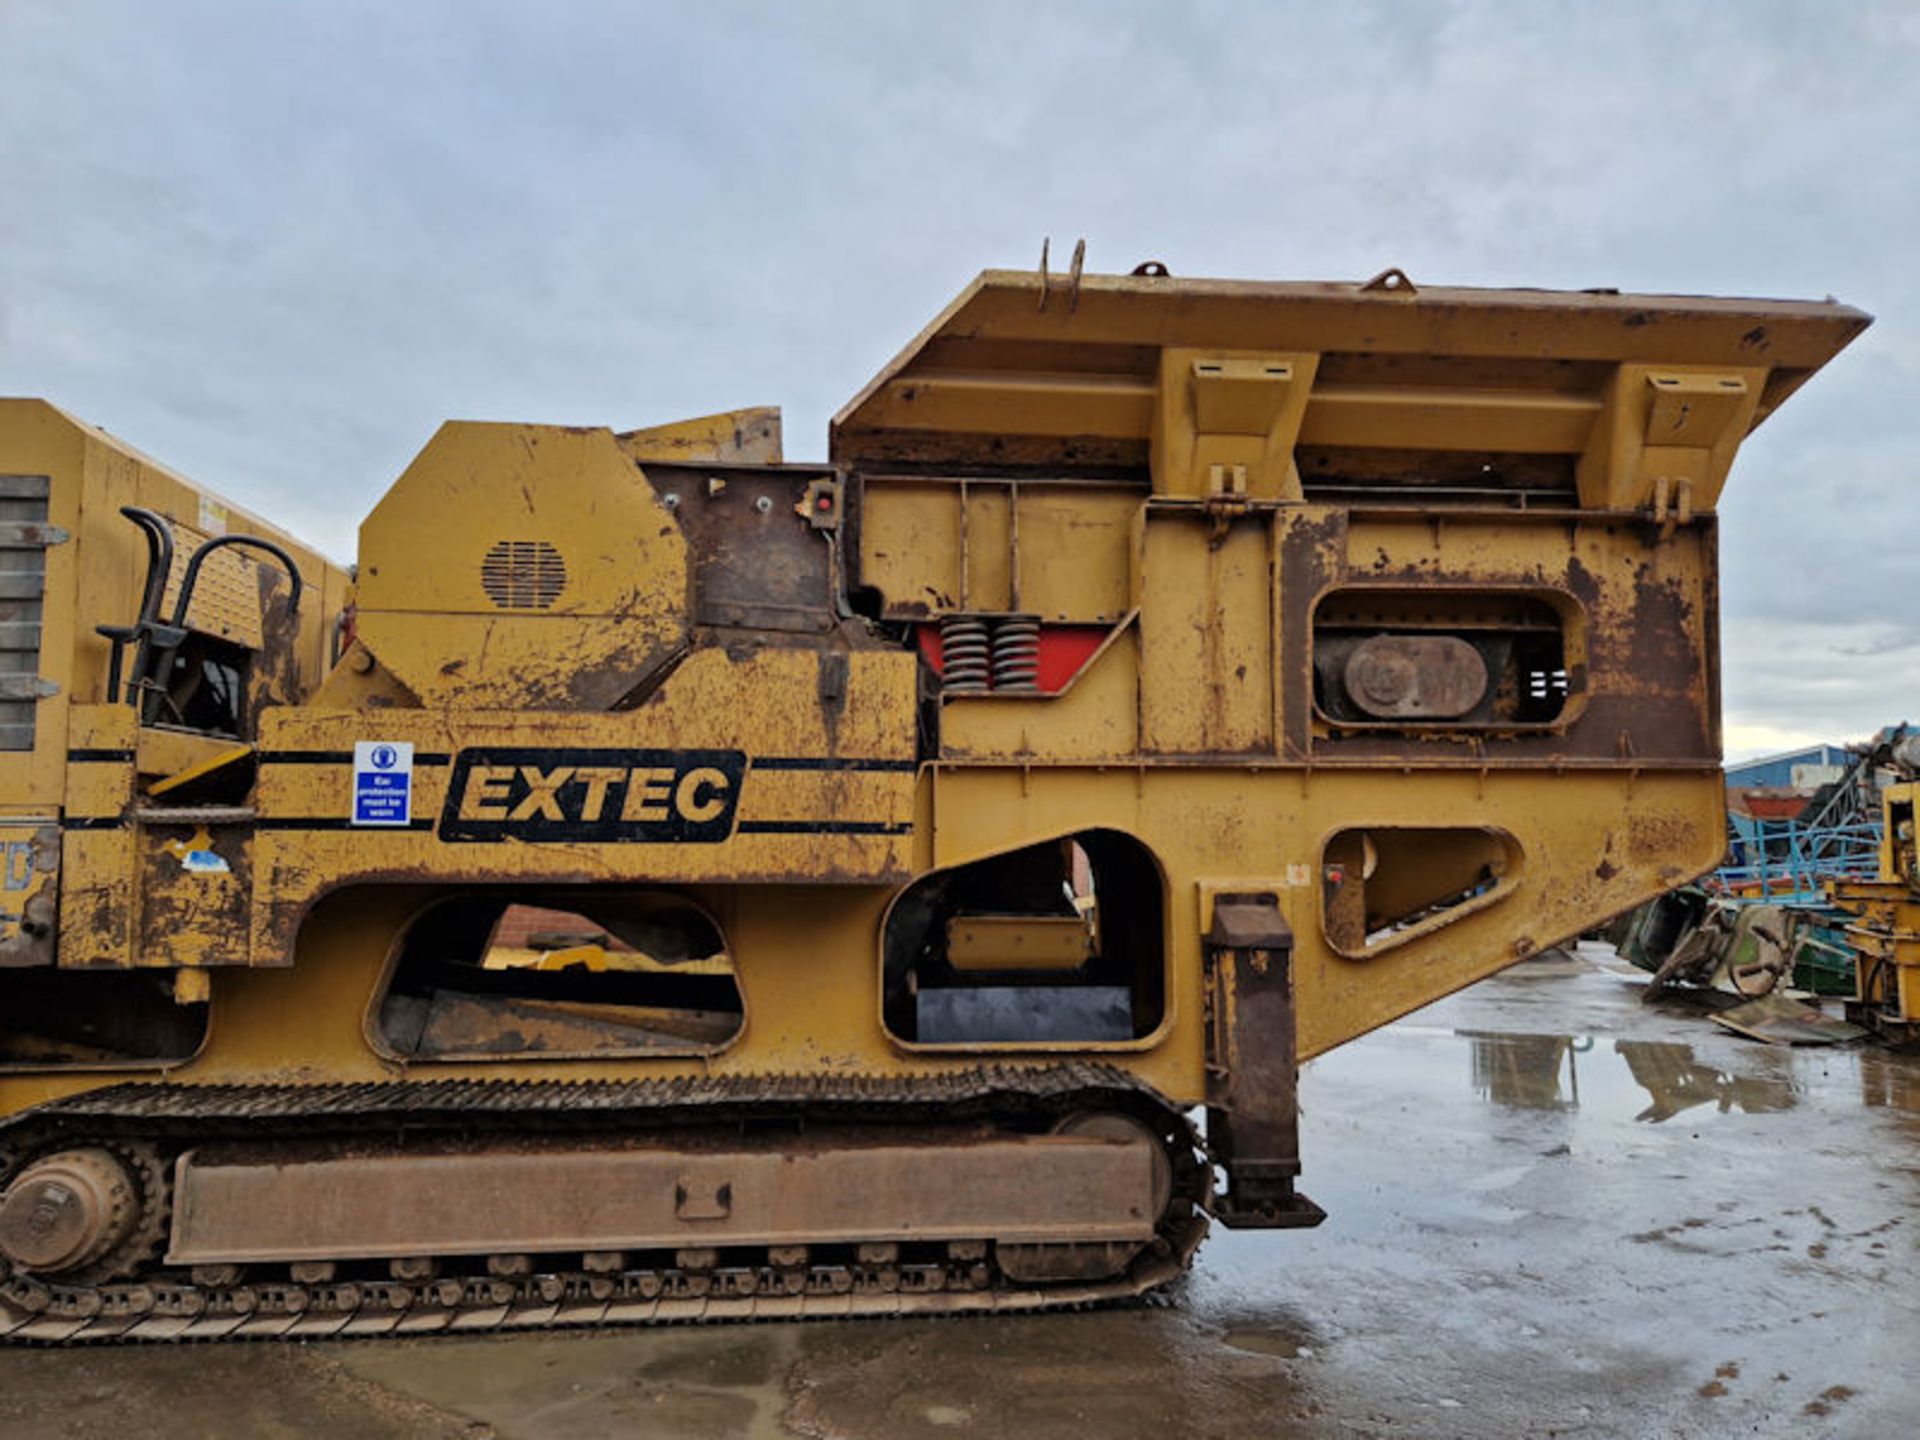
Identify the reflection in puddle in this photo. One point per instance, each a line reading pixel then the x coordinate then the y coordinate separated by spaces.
pixel 1890 1080
pixel 1543 1072
pixel 1678 1082
pixel 1535 1072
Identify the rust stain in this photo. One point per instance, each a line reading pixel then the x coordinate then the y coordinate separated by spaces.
pixel 1312 556
pixel 1654 835
pixel 275 677
pixel 832 691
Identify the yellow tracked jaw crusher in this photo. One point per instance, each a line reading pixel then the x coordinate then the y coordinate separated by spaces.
pixel 668 882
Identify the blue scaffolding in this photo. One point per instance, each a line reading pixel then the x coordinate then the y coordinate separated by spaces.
pixel 1789 861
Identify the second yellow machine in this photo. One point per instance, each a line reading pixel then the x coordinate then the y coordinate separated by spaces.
pixel 665 882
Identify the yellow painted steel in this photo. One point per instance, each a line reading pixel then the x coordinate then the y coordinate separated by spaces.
pixel 1226 422
pixel 1195 491
pixel 1020 942
pixel 29 890
pixel 741 437
pixel 1885 933
pixel 558 581
pixel 88 758
pixel 94 571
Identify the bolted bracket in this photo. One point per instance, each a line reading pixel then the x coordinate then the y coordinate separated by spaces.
pixel 1665 437
pixel 1225 423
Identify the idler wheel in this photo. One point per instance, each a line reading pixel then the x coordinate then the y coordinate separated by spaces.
pixel 66 1210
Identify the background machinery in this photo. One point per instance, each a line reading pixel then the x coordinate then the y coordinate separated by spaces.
pixel 667 882
pixel 1884 931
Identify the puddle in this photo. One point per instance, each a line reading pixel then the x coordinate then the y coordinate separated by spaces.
pixel 1268 1342
pixel 724 1381
pixel 1888 1080
pixel 1600 1077
pixel 1649 1081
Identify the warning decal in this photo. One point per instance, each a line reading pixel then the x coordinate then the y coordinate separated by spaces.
pixel 382 782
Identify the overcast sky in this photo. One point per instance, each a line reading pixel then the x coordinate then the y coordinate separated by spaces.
pixel 274 245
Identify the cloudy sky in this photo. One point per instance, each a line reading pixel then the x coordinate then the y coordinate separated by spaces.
pixel 274 245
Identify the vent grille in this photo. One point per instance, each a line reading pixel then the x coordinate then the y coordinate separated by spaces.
pixel 23 582
pixel 523 574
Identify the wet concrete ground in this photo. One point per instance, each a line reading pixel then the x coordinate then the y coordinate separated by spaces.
pixel 1553 1212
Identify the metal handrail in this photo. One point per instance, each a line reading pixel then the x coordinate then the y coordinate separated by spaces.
pixel 1792 861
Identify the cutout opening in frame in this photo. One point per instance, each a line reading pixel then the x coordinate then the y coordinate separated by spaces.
pixel 1448 658
pixel 559 974
pixel 1058 943
pixel 1382 886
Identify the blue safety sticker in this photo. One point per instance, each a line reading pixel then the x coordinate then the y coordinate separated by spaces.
pixel 382 782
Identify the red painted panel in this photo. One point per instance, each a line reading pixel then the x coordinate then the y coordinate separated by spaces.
pixel 1064 651
pixel 930 651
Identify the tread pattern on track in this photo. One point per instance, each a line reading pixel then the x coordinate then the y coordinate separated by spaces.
pixel 158 1309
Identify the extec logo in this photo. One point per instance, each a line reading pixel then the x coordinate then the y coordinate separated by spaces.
pixel 673 796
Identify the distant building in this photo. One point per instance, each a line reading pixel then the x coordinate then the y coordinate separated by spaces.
pixel 1807 768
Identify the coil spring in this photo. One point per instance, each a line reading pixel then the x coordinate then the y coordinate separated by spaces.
pixel 964 646
pixel 1016 653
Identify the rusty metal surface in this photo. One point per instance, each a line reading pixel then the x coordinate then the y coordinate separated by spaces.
pixel 194 911
pixel 1645 692
pixel 958 1092
pixel 815 1189
pixel 1067 1260
pixel 1415 676
pixel 451 1023
pixel 1780 1021
pixel 66 1210
pixel 505 1290
pixel 758 562
pixel 29 894
pixel 1253 1118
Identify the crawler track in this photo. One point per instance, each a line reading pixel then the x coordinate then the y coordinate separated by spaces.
pixel 149 1301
